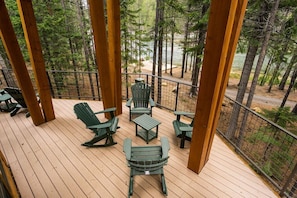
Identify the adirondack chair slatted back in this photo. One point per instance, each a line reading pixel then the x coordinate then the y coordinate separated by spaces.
pixel 140 153
pixel 153 166
pixel 86 114
pixel 141 102
pixel 102 130
pixel 140 94
pixel 17 95
pixel 146 160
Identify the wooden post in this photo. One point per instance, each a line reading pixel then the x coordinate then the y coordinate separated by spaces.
pixel 34 47
pixel 238 20
pixel 12 188
pixel 18 64
pixel 102 56
pixel 114 41
pixel 213 77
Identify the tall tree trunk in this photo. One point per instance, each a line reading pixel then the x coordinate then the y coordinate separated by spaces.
pixel 266 72
pixel 72 50
pixel 200 48
pixel 58 78
pixel 86 46
pixel 126 62
pixel 157 21
pixel 294 110
pixel 198 62
pixel 166 48
pixel 194 55
pixel 3 58
pixel 185 43
pixel 9 80
pixel 269 27
pixel 247 68
pixel 160 50
pixel 293 79
pixel 125 33
pixel 276 70
pixel 248 64
pixel 288 71
pixel 172 47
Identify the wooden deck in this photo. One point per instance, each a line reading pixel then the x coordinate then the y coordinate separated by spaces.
pixel 48 161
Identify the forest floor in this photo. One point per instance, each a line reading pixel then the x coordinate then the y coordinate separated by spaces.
pixel 262 98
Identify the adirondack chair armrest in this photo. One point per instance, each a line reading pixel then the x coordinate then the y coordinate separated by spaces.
pixel 152 102
pixel 112 109
pixel 165 147
pixel 186 129
pixel 127 148
pixel 100 126
pixel 129 103
pixel 182 113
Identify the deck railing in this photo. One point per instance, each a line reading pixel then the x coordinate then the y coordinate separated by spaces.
pixel 268 148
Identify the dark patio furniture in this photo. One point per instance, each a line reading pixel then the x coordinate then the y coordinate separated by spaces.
pixel 146 160
pixel 182 129
pixel 140 103
pixel 102 130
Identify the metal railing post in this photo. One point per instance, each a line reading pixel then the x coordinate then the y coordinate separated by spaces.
pixel 98 88
pixel 289 180
pixel 176 96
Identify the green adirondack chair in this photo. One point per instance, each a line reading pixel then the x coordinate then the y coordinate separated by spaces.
pixel 183 130
pixel 17 95
pixel 140 103
pixel 146 160
pixel 102 130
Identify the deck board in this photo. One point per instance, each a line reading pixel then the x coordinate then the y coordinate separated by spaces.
pixel 49 161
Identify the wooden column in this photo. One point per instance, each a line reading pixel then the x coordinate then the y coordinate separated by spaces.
pixel 216 65
pixel 114 42
pixel 18 64
pixel 34 47
pixel 102 56
pixel 236 29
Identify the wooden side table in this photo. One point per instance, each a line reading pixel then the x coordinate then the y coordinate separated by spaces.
pixel 146 124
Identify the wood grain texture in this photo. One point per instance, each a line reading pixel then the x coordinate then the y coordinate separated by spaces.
pixel 49 161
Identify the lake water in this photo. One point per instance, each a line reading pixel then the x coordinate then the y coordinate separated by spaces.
pixel 238 60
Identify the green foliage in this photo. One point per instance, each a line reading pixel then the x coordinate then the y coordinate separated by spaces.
pixel 276 145
pixel 282 116
pixel 134 35
pixel 262 78
pixel 267 168
pixel 275 80
pixel 12 8
pixel 234 75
